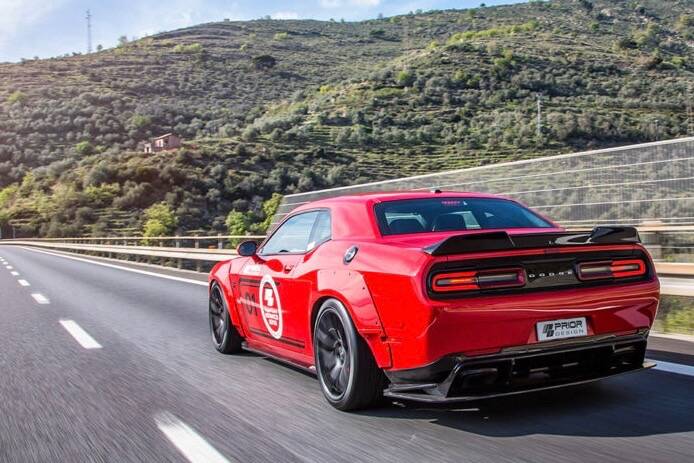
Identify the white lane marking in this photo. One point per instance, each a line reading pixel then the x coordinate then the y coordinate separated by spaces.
pixel 15 274
pixel 143 272
pixel 670 367
pixel 80 335
pixel 193 446
pixel 23 282
pixel 9 267
pixel 40 298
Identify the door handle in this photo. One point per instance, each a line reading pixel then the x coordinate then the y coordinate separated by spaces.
pixel 288 268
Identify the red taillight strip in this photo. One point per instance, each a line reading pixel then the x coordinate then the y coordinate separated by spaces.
pixel 611 269
pixel 479 279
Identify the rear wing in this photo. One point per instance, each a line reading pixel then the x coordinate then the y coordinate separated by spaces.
pixel 501 240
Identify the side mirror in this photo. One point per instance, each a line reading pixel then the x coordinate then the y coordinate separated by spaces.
pixel 247 248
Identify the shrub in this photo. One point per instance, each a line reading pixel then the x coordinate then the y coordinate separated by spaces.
pixel 237 223
pixel 405 78
pixel 188 49
pixel 279 36
pixel 84 148
pixel 160 220
pixel 264 62
pixel 16 97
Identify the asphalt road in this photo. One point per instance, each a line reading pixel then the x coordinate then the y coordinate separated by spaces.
pixel 102 364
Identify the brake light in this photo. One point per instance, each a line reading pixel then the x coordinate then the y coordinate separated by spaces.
pixel 611 269
pixel 478 279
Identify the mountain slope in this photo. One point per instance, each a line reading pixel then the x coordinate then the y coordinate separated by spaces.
pixel 287 106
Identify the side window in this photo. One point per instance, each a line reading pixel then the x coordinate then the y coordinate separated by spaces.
pixel 321 230
pixel 292 236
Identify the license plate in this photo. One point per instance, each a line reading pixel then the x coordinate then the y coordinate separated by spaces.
pixel 562 329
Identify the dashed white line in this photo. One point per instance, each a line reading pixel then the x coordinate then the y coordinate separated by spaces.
pixel 81 336
pixel 15 274
pixel 40 299
pixel 9 267
pixel 23 282
pixel 193 446
pixel 677 368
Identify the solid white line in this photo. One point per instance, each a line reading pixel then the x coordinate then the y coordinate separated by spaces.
pixel 193 446
pixel 15 274
pixel 40 298
pixel 674 368
pixel 127 269
pixel 80 335
pixel 23 282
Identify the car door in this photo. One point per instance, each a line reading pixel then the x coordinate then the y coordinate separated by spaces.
pixel 275 304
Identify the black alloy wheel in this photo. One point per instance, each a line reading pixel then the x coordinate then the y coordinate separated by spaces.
pixel 225 337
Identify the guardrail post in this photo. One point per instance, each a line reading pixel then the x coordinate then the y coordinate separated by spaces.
pixel 177 243
pixel 220 242
pixel 197 262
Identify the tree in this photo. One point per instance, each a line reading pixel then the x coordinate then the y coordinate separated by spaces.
pixel 161 220
pixel 122 40
pixel 269 209
pixel 237 224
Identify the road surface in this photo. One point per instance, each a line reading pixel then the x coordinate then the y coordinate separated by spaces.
pixel 102 364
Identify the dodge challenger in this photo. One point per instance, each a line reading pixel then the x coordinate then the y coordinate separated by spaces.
pixel 436 297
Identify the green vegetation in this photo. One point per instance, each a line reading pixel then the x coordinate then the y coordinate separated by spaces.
pixel 676 315
pixel 268 107
pixel 16 97
pixel 188 49
pixel 159 220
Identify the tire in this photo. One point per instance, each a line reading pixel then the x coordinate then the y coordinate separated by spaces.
pixel 225 337
pixel 347 372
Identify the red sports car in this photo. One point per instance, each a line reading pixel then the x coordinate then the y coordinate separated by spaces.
pixel 436 297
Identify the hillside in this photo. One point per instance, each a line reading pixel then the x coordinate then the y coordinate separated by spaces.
pixel 283 106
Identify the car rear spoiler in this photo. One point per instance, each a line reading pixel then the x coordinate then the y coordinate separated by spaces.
pixel 501 240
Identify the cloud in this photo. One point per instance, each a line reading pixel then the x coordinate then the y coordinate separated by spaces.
pixel 285 15
pixel 18 15
pixel 343 3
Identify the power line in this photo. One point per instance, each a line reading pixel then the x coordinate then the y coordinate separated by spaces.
pixel 89 32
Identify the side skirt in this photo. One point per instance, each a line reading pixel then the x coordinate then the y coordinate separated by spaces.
pixel 307 369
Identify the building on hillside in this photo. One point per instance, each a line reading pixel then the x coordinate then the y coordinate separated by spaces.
pixel 168 141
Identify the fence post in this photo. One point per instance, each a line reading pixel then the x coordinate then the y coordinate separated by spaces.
pixel 198 267
pixel 177 243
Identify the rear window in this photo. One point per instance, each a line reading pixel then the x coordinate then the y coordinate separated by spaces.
pixel 453 214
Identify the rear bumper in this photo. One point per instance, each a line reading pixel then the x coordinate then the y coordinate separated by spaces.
pixel 521 369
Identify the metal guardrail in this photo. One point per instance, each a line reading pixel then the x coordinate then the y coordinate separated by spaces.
pixel 218 253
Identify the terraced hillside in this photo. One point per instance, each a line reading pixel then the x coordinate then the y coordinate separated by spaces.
pixel 284 106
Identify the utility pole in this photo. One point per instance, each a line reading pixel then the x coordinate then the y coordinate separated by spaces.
pixel 89 32
pixel 539 116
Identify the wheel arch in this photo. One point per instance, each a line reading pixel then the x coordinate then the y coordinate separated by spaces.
pixel 349 288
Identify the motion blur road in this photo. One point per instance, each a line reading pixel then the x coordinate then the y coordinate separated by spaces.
pixel 103 364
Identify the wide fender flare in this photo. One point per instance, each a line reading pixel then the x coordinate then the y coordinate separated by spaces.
pixel 350 288
pixel 220 275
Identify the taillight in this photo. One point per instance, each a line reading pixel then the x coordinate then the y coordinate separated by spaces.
pixel 478 279
pixel 611 269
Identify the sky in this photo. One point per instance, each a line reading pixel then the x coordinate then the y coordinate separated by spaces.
pixel 47 28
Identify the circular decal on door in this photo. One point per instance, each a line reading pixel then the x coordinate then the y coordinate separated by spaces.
pixel 270 306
